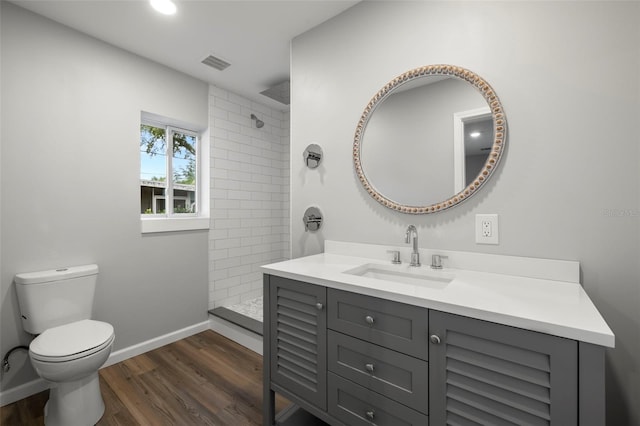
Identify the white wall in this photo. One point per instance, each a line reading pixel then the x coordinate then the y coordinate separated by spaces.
pixel 249 193
pixel 70 180
pixel 568 187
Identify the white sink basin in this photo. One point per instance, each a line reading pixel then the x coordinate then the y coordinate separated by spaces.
pixel 403 274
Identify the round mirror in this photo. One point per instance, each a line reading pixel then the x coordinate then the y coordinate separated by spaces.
pixel 429 139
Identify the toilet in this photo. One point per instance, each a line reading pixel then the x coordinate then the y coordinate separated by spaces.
pixel 69 347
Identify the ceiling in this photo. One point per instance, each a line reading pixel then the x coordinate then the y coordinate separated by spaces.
pixel 254 36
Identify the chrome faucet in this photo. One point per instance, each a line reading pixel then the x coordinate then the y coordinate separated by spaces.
pixel 415 255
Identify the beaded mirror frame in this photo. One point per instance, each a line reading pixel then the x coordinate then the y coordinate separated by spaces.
pixel 497 148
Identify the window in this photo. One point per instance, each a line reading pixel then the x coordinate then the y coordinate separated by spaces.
pixel 169 177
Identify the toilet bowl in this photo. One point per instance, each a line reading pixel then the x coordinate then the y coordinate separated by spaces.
pixel 56 306
pixel 69 356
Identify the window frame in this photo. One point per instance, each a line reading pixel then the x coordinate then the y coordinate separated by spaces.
pixel 169 221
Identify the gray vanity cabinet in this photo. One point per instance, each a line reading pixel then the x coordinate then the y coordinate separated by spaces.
pixel 486 373
pixel 355 360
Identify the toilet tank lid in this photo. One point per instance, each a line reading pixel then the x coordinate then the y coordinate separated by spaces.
pixel 56 274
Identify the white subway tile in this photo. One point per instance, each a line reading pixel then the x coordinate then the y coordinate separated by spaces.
pixel 239 233
pixel 227 184
pixel 219 153
pixel 226 263
pixel 238 271
pixel 250 200
pixel 251 241
pixel 217 234
pixel 226 223
pixel 250 204
pixel 239 100
pixel 238 195
pixel 239 138
pixel 239 175
pixel 239 290
pixel 227 282
pixel 217 193
pixel 221 204
pixel 239 252
pixel 225 143
pixel 240 157
pixel 239 213
pixel 252 277
pixel 228 105
pixel 219 113
pixel 220 274
pixel 226 243
pixel 216 213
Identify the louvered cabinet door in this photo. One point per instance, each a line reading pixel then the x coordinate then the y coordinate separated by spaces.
pixel 298 355
pixel 483 373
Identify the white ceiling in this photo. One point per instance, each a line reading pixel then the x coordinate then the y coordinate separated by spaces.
pixel 254 36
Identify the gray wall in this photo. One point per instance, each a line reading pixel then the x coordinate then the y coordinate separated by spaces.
pixel 70 168
pixel 567 75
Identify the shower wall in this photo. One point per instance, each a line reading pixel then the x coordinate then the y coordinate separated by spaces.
pixel 249 195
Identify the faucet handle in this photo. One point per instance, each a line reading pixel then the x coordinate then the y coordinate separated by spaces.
pixel 436 261
pixel 396 256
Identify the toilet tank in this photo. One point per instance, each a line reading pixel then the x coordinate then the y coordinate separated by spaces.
pixel 55 297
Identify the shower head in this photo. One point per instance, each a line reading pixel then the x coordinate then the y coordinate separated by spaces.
pixel 259 123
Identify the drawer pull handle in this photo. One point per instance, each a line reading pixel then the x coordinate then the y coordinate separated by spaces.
pixel 369 319
pixel 319 306
pixel 370 414
pixel 369 367
pixel 435 339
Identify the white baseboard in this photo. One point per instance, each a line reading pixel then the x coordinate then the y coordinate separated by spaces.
pixel 155 343
pixel 242 336
pixel 38 385
pixel 22 391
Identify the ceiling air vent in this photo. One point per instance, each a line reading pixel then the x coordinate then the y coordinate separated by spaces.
pixel 216 63
pixel 279 92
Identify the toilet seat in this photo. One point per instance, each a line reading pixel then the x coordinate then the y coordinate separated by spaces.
pixel 71 341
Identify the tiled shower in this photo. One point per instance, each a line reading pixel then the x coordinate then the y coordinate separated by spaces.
pixel 249 198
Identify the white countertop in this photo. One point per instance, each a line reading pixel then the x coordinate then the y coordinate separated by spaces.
pixel 560 308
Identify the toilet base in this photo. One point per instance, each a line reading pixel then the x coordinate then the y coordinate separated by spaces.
pixel 77 403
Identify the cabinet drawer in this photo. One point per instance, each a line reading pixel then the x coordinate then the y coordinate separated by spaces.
pixel 390 324
pixel 397 376
pixel 357 406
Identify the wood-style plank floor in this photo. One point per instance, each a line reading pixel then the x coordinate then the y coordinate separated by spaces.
pixel 205 379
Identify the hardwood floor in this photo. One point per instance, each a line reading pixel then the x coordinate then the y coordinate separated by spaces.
pixel 205 379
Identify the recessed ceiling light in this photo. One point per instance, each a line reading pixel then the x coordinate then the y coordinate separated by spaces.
pixel 166 7
pixel 474 134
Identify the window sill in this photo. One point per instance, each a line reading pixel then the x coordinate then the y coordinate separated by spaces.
pixel 163 224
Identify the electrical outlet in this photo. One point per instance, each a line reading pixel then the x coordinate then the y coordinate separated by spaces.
pixel 487 229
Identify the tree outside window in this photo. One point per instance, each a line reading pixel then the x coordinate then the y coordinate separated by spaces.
pixel 167 151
